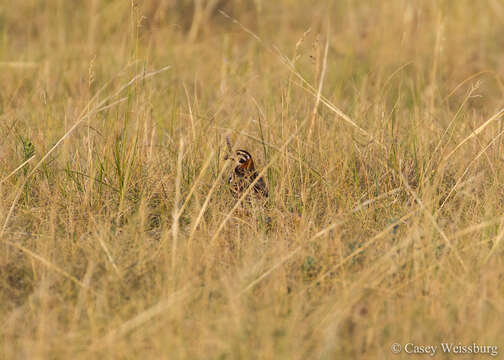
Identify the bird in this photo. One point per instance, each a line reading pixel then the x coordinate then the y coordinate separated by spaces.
pixel 243 175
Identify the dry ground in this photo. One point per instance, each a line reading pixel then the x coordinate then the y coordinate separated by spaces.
pixel 377 125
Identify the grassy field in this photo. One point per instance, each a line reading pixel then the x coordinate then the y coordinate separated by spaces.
pixel 376 124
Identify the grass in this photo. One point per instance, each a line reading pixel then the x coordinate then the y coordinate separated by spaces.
pixel 377 126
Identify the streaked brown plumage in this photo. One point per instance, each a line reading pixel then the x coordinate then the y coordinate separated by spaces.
pixel 243 174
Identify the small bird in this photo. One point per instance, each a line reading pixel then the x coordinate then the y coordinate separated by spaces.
pixel 243 174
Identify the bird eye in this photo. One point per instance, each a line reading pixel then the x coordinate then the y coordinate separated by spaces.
pixel 242 160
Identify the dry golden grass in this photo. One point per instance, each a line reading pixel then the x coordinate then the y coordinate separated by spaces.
pixel 376 124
